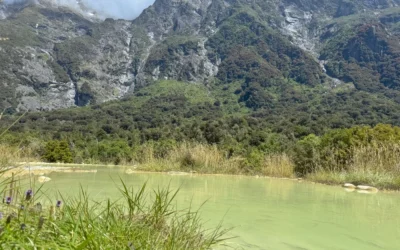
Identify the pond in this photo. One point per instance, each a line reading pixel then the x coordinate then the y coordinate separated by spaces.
pixel 264 213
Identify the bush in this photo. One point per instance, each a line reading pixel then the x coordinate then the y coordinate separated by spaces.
pixel 57 151
pixel 253 161
pixel 114 152
pixel 307 155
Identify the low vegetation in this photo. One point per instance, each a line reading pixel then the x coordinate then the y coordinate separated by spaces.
pixel 360 155
pixel 135 220
pixel 208 159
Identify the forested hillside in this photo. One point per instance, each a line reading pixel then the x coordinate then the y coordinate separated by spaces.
pixel 252 78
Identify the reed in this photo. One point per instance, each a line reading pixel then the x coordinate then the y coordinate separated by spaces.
pixel 8 156
pixel 278 165
pixel 377 165
pixel 190 157
pixel 376 159
pixel 209 159
pixel 138 220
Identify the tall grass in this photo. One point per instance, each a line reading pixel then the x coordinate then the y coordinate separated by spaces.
pixel 377 165
pixel 209 159
pixel 139 220
pixel 189 157
pixel 376 159
pixel 278 165
pixel 8 155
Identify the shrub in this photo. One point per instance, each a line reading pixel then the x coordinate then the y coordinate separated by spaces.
pixel 307 155
pixel 57 151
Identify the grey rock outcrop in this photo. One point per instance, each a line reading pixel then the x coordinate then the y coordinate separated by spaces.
pixel 53 57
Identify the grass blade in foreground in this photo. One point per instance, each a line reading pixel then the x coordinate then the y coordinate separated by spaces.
pixel 78 223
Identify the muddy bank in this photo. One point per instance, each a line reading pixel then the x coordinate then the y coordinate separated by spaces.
pixel 43 170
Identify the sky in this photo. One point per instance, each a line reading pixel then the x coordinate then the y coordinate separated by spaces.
pixel 125 9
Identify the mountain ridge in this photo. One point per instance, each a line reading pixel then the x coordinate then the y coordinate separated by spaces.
pixel 57 58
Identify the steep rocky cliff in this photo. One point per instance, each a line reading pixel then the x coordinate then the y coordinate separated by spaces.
pixel 53 57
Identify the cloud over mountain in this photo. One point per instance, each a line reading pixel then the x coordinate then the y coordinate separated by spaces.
pixel 124 9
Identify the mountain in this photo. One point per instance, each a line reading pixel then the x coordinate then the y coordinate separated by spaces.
pixel 273 51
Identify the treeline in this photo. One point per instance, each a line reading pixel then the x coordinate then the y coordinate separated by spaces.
pixel 315 128
pixel 332 151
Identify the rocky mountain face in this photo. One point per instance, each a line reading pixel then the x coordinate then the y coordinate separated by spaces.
pixel 53 57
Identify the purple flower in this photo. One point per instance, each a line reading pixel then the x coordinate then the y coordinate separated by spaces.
pixel 28 194
pixel 8 200
pixel 58 203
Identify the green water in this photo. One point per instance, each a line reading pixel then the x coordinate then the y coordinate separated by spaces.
pixel 266 213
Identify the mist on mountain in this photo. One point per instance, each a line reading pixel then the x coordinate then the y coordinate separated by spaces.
pixel 119 9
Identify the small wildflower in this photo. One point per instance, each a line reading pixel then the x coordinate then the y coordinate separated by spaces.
pixel 8 200
pixel 22 207
pixel 58 203
pixel 28 195
pixel 23 226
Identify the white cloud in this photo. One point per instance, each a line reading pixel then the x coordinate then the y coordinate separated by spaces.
pixel 125 9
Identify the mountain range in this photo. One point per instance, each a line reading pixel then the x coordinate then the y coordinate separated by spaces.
pixel 267 53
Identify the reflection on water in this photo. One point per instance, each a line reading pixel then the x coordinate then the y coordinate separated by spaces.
pixel 265 213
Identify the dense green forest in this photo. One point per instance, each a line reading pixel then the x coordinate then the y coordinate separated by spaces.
pixel 316 127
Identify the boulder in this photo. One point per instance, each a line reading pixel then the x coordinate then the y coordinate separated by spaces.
pixel 349 186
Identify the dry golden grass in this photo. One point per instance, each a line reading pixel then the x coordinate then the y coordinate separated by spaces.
pixel 8 155
pixel 375 159
pixel 376 165
pixel 278 165
pixel 189 157
pixel 208 159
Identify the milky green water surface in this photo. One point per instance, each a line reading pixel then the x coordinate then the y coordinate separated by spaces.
pixel 265 213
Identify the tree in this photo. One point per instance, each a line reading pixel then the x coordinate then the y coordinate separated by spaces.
pixel 57 151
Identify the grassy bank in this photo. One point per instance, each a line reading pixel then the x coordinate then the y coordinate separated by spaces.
pixel 376 165
pixel 208 159
pixel 138 219
pixel 360 155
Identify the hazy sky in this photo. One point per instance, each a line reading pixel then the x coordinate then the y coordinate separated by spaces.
pixel 126 9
